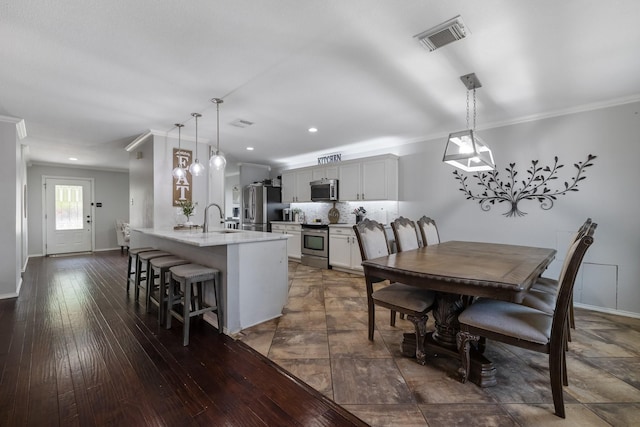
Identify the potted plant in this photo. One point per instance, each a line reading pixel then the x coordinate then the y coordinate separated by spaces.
pixel 188 209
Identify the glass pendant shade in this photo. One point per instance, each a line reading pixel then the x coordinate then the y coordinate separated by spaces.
pixel 217 161
pixel 196 168
pixel 466 151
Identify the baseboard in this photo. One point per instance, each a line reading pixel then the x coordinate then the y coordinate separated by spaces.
pixel 608 310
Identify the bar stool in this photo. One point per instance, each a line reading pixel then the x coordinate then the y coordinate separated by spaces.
pixel 133 257
pixel 185 277
pixel 160 268
pixel 144 259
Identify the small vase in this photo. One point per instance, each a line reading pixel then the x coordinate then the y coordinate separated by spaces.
pixel 358 219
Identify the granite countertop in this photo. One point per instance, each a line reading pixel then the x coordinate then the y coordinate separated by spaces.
pixel 214 237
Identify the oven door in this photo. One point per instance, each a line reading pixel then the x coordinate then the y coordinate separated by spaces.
pixel 315 242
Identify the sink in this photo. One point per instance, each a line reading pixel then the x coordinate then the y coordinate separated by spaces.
pixel 223 231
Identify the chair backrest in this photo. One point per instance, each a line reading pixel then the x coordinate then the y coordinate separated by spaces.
pixel 567 280
pixel 372 239
pixel 428 231
pixel 405 233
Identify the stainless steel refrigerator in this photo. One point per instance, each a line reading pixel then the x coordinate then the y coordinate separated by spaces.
pixel 261 204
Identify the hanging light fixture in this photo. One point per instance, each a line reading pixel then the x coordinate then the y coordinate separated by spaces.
pixel 465 150
pixel 196 167
pixel 179 172
pixel 217 160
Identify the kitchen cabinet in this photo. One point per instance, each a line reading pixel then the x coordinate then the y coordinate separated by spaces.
pixel 344 251
pixel 293 242
pixel 374 178
pixel 295 186
pixel 325 172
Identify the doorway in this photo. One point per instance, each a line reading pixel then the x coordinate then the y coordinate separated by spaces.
pixel 68 220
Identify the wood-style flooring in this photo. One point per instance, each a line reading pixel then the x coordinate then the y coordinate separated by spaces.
pixel 76 350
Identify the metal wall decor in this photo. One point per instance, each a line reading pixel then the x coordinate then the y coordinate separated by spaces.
pixel 535 186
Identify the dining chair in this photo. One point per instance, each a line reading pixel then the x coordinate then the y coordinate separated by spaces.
pixel 526 327
pixel 412 301
pixel 428 231
pixel 405 233
pixel 544 291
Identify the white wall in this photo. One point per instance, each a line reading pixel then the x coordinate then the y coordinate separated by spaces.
pixel 141 186
pixel 111 189
pixel 10 215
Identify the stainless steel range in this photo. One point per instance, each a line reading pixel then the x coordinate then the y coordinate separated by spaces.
pixel 315 245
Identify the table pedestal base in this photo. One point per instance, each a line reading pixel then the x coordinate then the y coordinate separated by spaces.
pixel 482 371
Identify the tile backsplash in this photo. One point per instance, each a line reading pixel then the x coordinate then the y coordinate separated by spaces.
pixel 383 212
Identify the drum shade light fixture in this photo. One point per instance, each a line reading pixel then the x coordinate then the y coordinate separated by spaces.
pixel 465 149
pixel 196 167
pixel 217 160
pixel 179 172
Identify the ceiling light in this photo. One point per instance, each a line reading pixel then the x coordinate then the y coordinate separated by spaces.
pixel 179 172
pixel 465 150
pixel 313 130
pixel 196 167
pixel 443 34
pixel 217 161
pixel 249 148
pixel 73 159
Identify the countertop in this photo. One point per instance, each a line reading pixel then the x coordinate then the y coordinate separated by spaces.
pixel 214 237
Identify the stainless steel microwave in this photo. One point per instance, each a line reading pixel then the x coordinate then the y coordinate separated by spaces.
pixel 324 190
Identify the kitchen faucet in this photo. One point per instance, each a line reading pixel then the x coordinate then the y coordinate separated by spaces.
pixel 206 215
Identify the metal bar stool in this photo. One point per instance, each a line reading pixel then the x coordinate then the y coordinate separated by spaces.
pixel 143 268
pixel 133 256
pixel 160 269
pixel 191 277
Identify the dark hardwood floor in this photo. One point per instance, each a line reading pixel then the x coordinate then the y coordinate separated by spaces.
pixel 76 350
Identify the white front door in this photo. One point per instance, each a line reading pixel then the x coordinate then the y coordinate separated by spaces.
pixel 68 220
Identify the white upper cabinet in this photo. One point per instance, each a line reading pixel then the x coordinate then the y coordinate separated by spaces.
pixel 371 178
pixel 295 185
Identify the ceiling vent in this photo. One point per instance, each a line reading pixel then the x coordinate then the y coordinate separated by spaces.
pixel 240 123
pixel 443 34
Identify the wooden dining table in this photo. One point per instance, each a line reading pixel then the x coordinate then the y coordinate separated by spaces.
pixel 458 271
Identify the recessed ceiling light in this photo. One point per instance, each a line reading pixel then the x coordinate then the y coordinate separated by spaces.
pixel 249 148
pixel 73 158
pixel 313 130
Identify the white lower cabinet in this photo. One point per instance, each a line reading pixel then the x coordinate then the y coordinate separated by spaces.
pixel 344 251
pixel 293 242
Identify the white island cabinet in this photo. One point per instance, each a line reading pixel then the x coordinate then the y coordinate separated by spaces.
pixel 253 266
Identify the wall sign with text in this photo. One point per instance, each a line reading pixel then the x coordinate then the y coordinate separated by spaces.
pixel 182 186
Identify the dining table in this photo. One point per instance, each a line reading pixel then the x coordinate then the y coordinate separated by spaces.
pixel 459 271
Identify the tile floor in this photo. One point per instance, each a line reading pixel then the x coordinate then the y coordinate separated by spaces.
pixel 322 339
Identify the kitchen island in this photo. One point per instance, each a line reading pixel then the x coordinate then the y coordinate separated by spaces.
pixel 253 267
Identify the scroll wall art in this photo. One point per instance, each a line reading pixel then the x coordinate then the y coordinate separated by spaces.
pixel 536 185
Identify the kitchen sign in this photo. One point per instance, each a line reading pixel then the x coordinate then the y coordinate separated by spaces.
pixel 182 186
pixel 331 158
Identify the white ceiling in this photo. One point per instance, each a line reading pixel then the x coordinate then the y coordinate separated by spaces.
pixel 89 76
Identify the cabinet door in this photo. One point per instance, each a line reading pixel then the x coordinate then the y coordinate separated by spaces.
pixel 374 180
pixel 288 187
pixel 349 182
pixel 303 192
pixel 356 258
pixel 340 251
pixel 294 244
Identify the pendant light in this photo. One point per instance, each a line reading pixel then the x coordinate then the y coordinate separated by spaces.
pixel 196 167
pixel 217 161
pixel 465 150
pixel 179 172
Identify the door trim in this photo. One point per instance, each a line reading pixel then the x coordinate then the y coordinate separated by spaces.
pixel 44 208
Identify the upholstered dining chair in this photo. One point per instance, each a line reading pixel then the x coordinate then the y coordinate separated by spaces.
pixel 526 327
pixel 405 233
pixel 544 291
pixel 428 231
pixel 414 302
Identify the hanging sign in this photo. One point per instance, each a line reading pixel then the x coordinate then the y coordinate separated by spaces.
pixel 182 186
